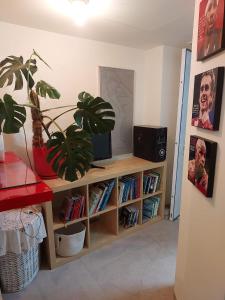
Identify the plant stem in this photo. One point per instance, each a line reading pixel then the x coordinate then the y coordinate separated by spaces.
pixel 48 109
pixel 56 124
pixel 49 124
pixel 46 130
pixel 28 75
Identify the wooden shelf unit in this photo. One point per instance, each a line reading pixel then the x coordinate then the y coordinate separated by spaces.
pixel 102 227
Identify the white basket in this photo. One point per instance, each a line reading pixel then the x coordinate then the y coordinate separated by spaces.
pixel 70 241
pixel 18 270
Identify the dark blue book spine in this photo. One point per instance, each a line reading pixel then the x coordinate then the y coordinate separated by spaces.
pixel 107 195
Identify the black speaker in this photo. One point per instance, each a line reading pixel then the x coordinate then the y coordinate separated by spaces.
pixel 150 142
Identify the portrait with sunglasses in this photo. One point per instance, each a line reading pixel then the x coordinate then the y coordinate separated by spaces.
pixel 208 89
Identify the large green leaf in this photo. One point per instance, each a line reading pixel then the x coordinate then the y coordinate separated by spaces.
pixel 13 69
pixel 94 115
pixel 12 116
pixel 71 154
pixel 43 89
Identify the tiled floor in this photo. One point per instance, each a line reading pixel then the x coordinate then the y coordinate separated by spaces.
pixel 141 266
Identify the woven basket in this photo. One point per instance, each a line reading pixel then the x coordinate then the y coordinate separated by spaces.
pixel 18 270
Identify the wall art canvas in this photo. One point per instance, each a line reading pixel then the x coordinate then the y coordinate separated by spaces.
pixel 208 92
pixel 117 87
pixel 201 166
pixel 211 33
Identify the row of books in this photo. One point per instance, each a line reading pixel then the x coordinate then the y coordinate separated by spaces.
pixel 129 188
pixel 100 194
pixel 129 216
pixel 150 208
pixel 73 207
pixel 151 182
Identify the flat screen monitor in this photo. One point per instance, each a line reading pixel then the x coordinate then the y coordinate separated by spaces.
pixel 102 146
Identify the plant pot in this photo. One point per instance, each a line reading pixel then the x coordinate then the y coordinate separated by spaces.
pixel 42 167
pixel 2 149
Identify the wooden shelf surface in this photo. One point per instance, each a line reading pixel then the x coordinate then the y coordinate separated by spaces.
pixel 116 168
pixel 129 202
pixel 108 208
pixel 152 220
pixel 145 196
pixel 57 223
pixel 124 231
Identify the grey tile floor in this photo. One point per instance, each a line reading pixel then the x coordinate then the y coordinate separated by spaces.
pixel 140 266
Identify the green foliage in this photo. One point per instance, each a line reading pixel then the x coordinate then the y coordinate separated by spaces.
pixel 12 116
pixel 13 67
pixel 70 152
pixel 43 89
pixel 94 114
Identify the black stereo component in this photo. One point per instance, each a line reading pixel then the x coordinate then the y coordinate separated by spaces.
pixel 150 142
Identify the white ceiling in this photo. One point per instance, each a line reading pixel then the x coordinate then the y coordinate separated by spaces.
pixel 136 23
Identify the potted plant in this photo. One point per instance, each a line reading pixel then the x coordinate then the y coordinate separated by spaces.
pixel 69 150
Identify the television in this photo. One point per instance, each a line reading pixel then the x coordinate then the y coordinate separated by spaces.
pixel 102 146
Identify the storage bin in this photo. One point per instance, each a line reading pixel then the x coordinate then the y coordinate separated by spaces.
pixel 21 232
pixel 70 241
pixel 18 270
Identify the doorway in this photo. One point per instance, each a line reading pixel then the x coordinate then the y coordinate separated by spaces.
pixel 180 135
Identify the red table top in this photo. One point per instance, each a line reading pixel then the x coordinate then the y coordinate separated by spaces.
pixel 19 186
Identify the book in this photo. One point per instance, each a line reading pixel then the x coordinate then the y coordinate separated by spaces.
pixel 157 185
pixel 107 195
pixel 75 214
pixel 121 191
pixel 95 196
pixel 129 216
pixel 104 186
pixel 150 207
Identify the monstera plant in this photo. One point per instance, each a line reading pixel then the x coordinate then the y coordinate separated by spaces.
pixel 69 150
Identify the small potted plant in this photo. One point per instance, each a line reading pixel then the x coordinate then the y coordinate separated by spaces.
pixel 68 151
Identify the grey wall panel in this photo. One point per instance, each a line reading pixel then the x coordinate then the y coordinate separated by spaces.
pixel 117 87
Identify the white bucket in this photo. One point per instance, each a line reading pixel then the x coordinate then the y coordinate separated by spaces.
pixel 70 241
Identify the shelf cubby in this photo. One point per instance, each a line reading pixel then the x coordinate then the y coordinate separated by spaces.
pixel 151 207
pixel 152 181
pixel 136 205
pixel 103 192
pixel 57 205
pixel 102 227
pixel 129 188
pixel 60 260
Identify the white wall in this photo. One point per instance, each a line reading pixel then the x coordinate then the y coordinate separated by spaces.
pixel 170 94
pixel 153 86
pixel 162 74
pixel 200 273
pixel 74 63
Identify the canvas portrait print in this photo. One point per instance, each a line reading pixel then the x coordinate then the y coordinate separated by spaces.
pixel 208 91
pixel 211 37
pixel 201 165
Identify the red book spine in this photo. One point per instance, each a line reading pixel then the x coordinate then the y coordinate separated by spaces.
pixel 76 210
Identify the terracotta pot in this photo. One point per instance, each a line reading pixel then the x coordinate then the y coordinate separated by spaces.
pixel 42 167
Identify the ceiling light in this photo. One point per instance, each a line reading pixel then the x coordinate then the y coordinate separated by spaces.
pixel 80 11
